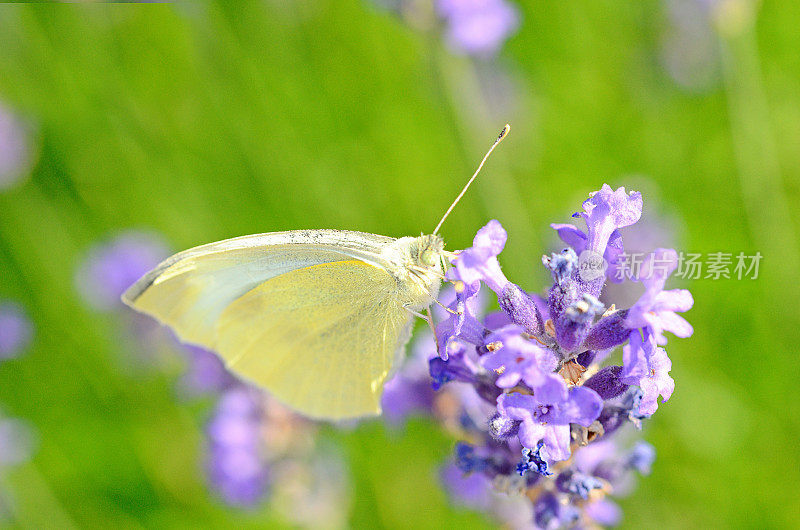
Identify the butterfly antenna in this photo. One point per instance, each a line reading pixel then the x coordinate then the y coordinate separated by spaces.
pixel 500 137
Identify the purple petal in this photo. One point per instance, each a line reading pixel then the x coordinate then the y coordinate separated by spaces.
pixel 571 235
pixel 608 210
pixel 479 262
pixel 634 359
pixel 676 324
pixel 553 389
pixel 584 406
pixel 604 512
pixel 674 300
pixel 557 440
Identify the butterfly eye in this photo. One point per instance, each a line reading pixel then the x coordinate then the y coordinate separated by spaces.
pixel 428 257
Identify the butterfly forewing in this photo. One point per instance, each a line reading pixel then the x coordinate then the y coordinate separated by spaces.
pixel 190 290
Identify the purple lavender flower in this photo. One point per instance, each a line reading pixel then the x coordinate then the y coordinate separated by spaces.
pixel 235 466
pixel 205 372
pixel 16 153
pixel 478 27
pixel 16 330
pixel 530 383
pixel 470 490
pixel 656 309
pixel 647 366
pixel 409 391
pixel 479 262
pixel 109 268
pixel 515 358
pixel 547 414
pixel 460 324
pixel 605 212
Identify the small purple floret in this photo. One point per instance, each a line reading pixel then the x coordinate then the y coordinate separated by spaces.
pixel 547 413
pixel 16 330
pixel 479 262
pixel 647 366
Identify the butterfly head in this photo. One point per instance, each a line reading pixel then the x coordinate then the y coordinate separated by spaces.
pixel 429 252
pixel 426 267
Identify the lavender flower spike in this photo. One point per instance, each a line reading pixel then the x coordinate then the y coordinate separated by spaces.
pixel 235 466
pixel 656 308
pixel 531 379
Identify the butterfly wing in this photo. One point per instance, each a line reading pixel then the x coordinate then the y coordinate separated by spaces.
pixel 322 339
pixel 190 290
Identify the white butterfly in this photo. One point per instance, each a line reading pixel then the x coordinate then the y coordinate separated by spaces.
pixel 317 317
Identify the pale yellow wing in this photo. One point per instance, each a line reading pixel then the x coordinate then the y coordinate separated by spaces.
pixel 321 339
pixel 190 290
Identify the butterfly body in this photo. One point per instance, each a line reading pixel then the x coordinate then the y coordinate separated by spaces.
pixel 316 317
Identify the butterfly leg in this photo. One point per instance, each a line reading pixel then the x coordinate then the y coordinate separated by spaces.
pixel 429 319
pixel 452 312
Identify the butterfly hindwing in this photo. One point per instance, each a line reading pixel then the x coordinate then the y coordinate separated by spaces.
pixel 322 339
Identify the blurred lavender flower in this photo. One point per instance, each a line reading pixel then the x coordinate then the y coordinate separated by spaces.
pixel 110 267
pixel 16 330
pixel 17 444
pixel 478 27
pixel 16 153
pixel 17 441
pixel 406 394
pixel 312 490
pixel 690 50
pixel 259 451
pixel 235 465
pixel 526 385
pixel 205 372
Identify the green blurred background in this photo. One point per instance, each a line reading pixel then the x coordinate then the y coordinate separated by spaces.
pixel 207 120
